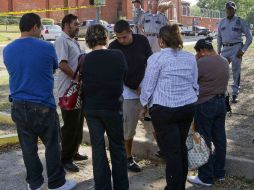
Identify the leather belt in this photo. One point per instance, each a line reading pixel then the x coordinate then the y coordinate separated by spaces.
pixel 220 95
pixel 152 34
pixel 231 44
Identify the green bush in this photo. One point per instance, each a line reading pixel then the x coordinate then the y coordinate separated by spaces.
pixel 47 21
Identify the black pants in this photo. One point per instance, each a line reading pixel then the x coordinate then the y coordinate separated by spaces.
pixel 111 122
pixel 35 121
pixel 172 126
pixel 72 133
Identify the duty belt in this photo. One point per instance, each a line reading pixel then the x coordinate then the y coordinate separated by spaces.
pixel 231 44
pixel 152 34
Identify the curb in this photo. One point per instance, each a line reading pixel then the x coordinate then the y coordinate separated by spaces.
pixel 5 118
pixel 145 148
pixel 8 139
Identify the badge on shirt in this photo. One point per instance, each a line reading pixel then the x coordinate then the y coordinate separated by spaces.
pixel 236 29
pixel 238 22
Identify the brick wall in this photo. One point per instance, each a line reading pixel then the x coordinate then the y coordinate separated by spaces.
pixel 111 12
pixel 4 6
pixel 211 23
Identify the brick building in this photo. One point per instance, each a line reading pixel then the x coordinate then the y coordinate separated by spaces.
pixel 178 12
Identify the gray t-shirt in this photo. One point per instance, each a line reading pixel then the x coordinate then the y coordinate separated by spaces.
pixel 67 49
pixel 213 76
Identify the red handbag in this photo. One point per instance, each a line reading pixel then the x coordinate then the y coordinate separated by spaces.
pixel 72 97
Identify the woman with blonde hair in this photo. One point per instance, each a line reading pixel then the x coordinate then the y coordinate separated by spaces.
pixel 169 91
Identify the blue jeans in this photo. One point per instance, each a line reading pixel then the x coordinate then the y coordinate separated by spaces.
pixel 111 122
pixel 210 123
pixel 35 121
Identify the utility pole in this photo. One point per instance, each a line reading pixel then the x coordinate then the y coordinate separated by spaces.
pixel 47 7
pixel 98 13
pixel 66 5
pixel 98 4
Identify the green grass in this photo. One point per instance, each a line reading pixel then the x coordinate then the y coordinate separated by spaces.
pixel 6 37
pixel 9 33
pixel 4 79
pixel 3 38
pixel 4 89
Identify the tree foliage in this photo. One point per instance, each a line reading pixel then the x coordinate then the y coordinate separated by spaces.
pixel 195 10
pixel 245 8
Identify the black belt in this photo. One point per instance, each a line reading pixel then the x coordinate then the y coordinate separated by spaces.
pixel 220 95
pixel 152 34
pixel 231 44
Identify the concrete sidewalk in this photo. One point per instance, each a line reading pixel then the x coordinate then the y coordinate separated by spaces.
pixel 12 174
pixel 145 147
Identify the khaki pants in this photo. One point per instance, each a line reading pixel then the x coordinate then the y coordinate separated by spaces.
pixel 131 110
pixel 153 41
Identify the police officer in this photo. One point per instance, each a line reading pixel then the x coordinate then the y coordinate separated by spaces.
pixel 230 43
pixel 137 14
pixel 150 24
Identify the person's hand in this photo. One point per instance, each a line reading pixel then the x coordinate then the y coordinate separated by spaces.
pixel 76 78
pixel 138 91
pixel 197 56
pixel 142 113
pixel 240 54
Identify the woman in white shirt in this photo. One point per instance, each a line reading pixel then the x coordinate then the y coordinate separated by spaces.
pixel 169 91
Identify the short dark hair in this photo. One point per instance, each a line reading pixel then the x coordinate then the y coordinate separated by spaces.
pixel 68 19
pixel 96 35
pixel 204 44
pixel 28 21
pixel 171 36
pixel 121 25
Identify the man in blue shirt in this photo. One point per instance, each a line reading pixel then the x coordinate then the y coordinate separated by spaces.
pixel 31 63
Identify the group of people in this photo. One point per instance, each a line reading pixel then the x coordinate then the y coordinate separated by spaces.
pixel 123 82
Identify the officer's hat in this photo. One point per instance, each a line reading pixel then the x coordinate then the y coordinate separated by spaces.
pixel 136 1
pixel 230 4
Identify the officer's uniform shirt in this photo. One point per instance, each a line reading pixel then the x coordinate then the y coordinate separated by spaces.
pixel 136 18
pixel 137 15
pixel 153 22
pixel 230 31
pixel 230 37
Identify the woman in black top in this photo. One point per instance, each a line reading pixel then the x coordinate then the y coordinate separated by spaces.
pixel 103 75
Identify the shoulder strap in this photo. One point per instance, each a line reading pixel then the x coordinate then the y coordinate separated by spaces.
pixel 79 68
pixel 193 131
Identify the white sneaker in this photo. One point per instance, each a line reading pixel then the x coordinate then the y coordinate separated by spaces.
pixel 28 187
pixel 197 181
pixel 69 184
